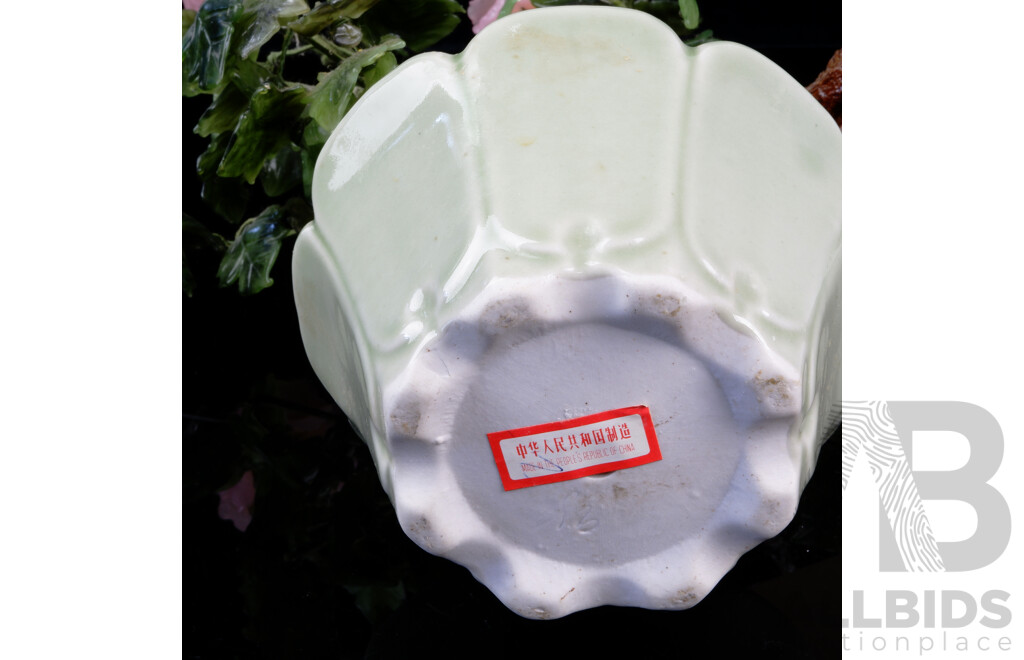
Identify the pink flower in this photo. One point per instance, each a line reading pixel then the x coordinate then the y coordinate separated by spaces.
pixel 194 5
pixel 484 12
pixel 236 502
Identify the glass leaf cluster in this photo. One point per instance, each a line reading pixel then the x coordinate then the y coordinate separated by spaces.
pixel 279 76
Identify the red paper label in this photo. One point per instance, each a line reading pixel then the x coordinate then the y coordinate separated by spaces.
pixel 574 448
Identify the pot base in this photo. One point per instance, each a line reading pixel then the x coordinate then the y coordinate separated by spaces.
pixel 539 352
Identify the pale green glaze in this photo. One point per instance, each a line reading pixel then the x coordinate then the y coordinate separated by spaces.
pixel 575 142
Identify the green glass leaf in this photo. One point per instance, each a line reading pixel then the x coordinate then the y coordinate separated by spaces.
pixel 690 13
pixel 348 35
pixel 333 94
pixel 188 17
pixel 702 37
pixel 289 9
pixel 331 98
pixel 209 160
pixel 314 136
pixel 326 14
pixel 282 171
pixel 420 23
pixel 299 212
pixel 227 197
pixel 262 129
pixel 385 65
pixel 256 29
pixel 313 139
pixel 253 252
pixel 262 19
pixel 205 48
pixel 309 157
pixel 223 113
pixel 250 76
pixel 506 9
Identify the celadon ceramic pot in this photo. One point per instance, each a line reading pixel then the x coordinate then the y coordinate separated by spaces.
pixel 578 288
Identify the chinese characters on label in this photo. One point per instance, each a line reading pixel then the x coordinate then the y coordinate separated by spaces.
pixel 569 449
pixel 570 441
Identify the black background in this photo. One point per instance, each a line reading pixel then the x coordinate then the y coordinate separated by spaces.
pixel 325 571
